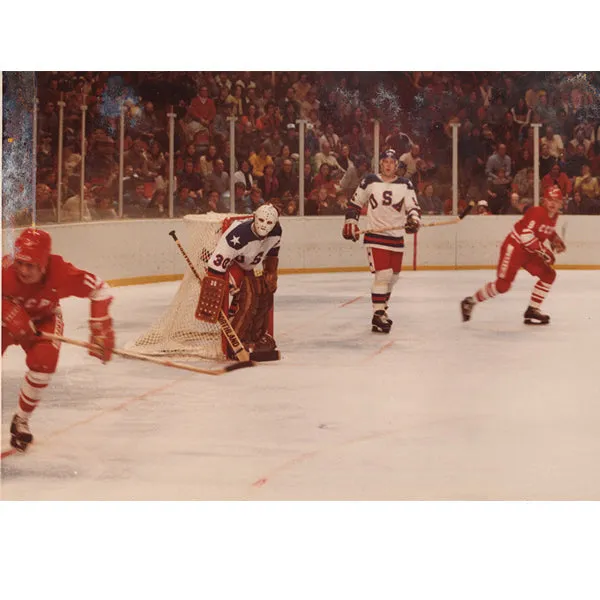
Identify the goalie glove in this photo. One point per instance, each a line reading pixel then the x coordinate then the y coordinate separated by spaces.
pixel 557 244
pixel 413 223
pixel 102 334
pixel 16 321
pixel 350 231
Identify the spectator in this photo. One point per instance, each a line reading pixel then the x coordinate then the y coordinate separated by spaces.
pixel 518 205
pixel 242 199
pixel 136 158
pixel 270 121
pixel 71 208
pixel 547 161
pixel 355 140
pixel 105 207
pixel 353 176
pixel 521 114
pixel 524 160
pixel 325 201
pixel 576 161
pixel 290 207
pixel 482 208
pixel 326 157
pixel 274 144
pixel 579 140
pixel 344 158
pixel 202 108
pixel 244 175
pixel 323 180
pixel 250 117
pixel 554 142
pixel 330 138
pixel 523 184
pixel 341 203
pixel 206 162
pixel 159 205
pixel 579 205
pixel 48 121
pixel 256 199
pixel 410 160
pixel 155 160
pixel 309 105
pixel 236 101
pixel 218 180
pixel 302 87
pixel 288 180
pixel 290 116
pixel 214 203
pixel 498 192
pixel 497 161
pixel 189 178
pixel 308 177
pixel 429 203
pixel 291 139
pixel 558 178
pixel 268 183
pixel 587 185
pixel 260 160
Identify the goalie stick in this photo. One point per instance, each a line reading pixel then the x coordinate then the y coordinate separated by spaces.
pixel 458 219
pixel 231 336
pixel 152 359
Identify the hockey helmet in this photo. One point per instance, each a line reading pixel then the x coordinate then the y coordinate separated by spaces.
pixel 33 246
pixel 389 153
pixel 553 193
pixel 265 219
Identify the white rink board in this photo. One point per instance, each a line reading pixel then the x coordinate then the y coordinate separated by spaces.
pixel 143 248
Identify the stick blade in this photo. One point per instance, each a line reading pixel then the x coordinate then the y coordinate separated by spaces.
pixel 239 365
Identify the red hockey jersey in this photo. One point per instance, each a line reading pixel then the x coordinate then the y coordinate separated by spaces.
pixel 62 280
pixel 534 228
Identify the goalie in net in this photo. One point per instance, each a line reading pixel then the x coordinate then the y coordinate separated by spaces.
pixel 182 331
pixel 244 247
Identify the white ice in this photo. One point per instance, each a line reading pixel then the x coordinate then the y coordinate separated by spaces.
pixel 438 409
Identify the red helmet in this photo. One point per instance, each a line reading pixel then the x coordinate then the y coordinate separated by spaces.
pixel 553 193
pixel 33 246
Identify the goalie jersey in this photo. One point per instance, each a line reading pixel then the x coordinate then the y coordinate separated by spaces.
pixel 240 245
pixel 388 205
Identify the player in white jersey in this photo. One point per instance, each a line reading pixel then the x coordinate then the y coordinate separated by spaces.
pixel 243 247
pixel 391 203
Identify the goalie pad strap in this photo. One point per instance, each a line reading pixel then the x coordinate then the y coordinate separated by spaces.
pixel 210 302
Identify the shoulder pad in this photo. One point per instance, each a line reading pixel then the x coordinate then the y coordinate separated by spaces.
pixel 368 179
pixel 240 235
pixel 407 182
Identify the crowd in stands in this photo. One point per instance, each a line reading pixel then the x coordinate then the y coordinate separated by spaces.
pixel 416 111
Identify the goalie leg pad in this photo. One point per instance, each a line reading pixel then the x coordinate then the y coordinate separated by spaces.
pixel 246 301
pixel 210 302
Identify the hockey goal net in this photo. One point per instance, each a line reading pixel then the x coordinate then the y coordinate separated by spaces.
pixel 177 332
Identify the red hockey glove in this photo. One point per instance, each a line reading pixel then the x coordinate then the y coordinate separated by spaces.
pixel 102 334
pixel 350 231
pixel 557 244
pixel 16 321
pixel 546 254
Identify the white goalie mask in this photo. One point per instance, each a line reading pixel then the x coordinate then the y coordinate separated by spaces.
pixel 265 219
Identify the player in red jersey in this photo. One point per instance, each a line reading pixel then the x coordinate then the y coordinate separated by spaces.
pixel 524 248
pixel 33 282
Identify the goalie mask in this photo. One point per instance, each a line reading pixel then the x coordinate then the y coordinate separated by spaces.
pixel 265 219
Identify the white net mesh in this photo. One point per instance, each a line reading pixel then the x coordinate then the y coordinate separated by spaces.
pixel 178 333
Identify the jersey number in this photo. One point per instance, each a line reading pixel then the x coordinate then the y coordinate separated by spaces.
pixel 257 259
pixel 387 199
pixel 218 261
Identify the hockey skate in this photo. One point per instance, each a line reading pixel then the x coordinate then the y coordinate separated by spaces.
pixel 466 308
pixel 20 434
pixel 381 323
pixel 533 316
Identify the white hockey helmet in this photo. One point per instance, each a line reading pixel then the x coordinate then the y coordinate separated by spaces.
pixel 265 219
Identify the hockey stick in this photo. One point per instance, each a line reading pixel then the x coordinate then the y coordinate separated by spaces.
pixel 454 221
pixel 152 359
pixel 231 336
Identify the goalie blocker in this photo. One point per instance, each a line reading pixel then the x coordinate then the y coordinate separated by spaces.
pixel 242 248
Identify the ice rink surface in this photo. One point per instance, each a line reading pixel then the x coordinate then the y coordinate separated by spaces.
pixel 436 410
